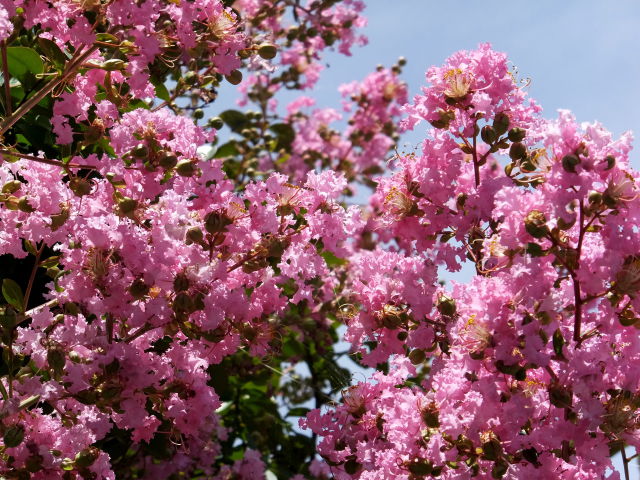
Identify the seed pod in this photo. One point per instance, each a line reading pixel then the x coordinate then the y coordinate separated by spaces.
pixel 446 306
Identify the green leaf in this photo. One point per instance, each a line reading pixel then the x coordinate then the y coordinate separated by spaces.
pixel 52 52
pixel 234 119
pixel 50 262
pixel 558 342
pixel 22 61
pixel 285 133
pixel 332 260
pixel 226 150
pixel 13 294
pixel 161 90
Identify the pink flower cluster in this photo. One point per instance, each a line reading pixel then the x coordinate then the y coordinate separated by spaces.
pixel 528 369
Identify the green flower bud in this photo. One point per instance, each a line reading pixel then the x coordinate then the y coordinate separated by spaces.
pixel 11 186
pixel 517 134
pixel 186 168
pixel 488 134
pixel 535 224
pixel 216 122
pixel 113 64
pixel 446 306
pixel 517 151
pixel 234 78
pixel 216 222
pixel 182 303
pixel 267 51
pixel 140 151
pixel 167 160
pixel 181 283
pixel 501 123
pixel 80 186
pixel 569 162
pixel 127 205
pixel 190 77
pixel 86 457
pixel 138 289
pixel 198 114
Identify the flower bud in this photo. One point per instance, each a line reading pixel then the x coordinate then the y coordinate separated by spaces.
pixel 488 134
pixel 80 186
pixel 560 396
pixel 216 122
pixel 446 306
pixel 517 134
pixel 569 162
pixel 138 289
pixel 167 160
pixel 595 198
pixel 181 283
pixel 140 151
pixel 86 457
pixel 417 356
pixel 216 222
pixel 501 123
pixel 127 205
pixel 194 235
pixel 186 168
pixel 56 359
pixel 535 224
pixel 182 303
pixel 113 64
pixel 267 51
pixel 234 78
pixel 198 113
pixel 517 151
pixel 11 186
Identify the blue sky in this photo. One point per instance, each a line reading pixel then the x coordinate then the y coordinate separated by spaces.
pixel 580 55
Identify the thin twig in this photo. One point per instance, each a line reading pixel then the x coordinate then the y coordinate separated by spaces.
pixel 46 161
pixel 625 462
pixel 32 277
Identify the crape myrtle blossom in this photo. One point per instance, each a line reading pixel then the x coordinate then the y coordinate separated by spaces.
pixel 164 291
pixel 528 369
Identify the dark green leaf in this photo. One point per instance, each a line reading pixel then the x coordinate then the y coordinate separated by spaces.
pixel 234 119
pixel 53 52
pixel 13 294
pixel 226 150
pixel 22 61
